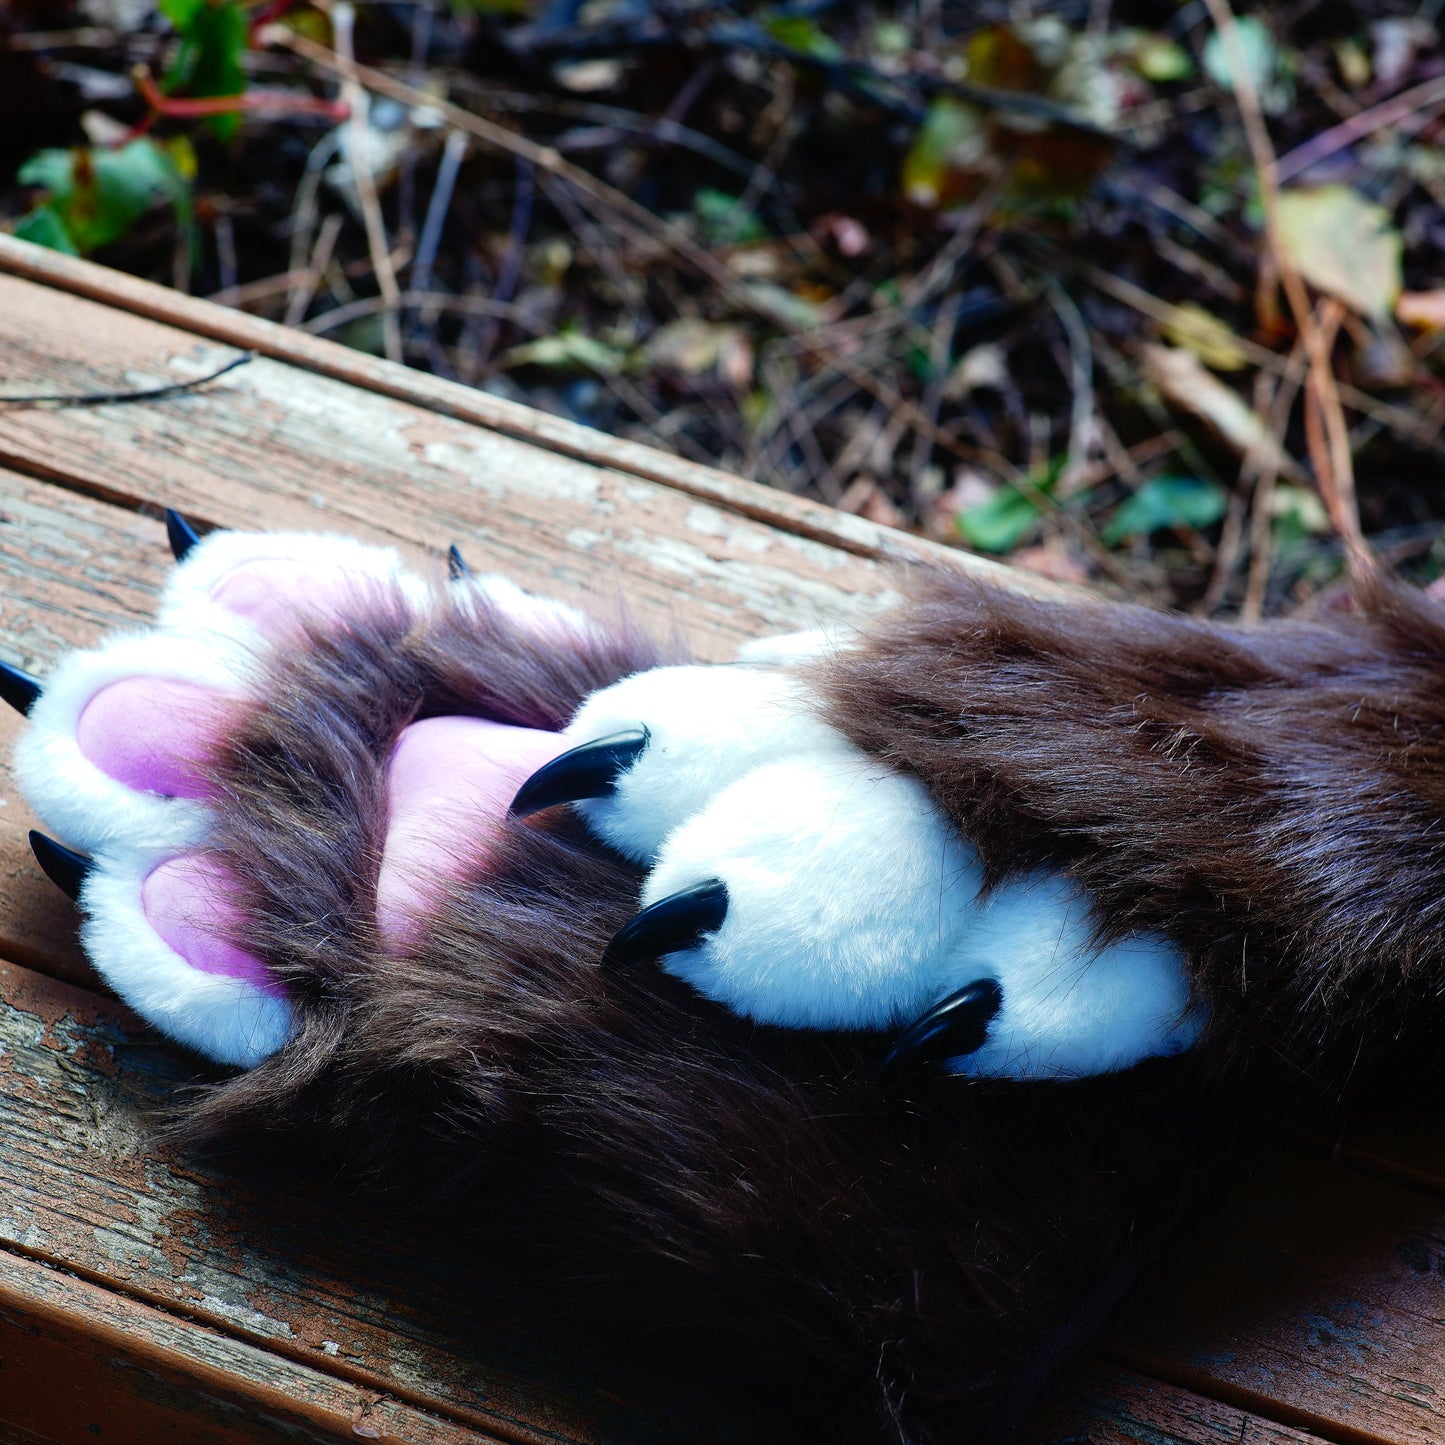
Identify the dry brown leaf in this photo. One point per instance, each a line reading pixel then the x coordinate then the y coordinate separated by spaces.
pixel 1203 333
pixel 1183 380
pixel 1343 245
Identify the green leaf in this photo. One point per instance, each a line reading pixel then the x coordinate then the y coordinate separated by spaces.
pixel 1295 515
pixel 45 227
pixel 99 194
pixel 1263 63
pixel 1001 523
pixel 1160 59
pixel 1257 50
pixel 1343 245
pixel 725 220
pixel 208 62
pixel 1167 502
pixel 50 169
pixel 801 33
pixel 182 13
pixel 951 140
pixel 569 350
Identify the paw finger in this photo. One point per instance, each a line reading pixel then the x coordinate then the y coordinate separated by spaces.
pixel 117 738
pixel 845 889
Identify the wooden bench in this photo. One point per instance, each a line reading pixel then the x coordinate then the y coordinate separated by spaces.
pixel 145 1297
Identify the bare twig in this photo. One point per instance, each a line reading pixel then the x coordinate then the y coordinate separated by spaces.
pixel 1334 471
pixel 343 19
pixel 940 349
pixel 549 162
pixel 437 207
pixel 1402 423
pixel 430 300
pixel 276 102
pixel 1081 377
pixel 1275 397
pixel 299 300
pixel 1428 95
pixel 60 401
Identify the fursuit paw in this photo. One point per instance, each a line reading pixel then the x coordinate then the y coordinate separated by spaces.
pixel 121 754
pixel 803 884
pixel 790 878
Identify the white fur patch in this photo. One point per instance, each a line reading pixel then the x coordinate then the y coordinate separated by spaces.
pixel 791 648
pixel 1069 1009
pixel 708 726
pixel 74 798
pixel 847 892
pixel 227 1019
pixel 129 831
pixel 536 614
pixel 187 606
pixel 852 904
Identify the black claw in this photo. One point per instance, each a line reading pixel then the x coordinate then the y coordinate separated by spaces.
pixel 18 688
pixel 65 868
pixel 589 771
pixel 181 535
pixel 949 1030
pixel 457 567
pixel 672 925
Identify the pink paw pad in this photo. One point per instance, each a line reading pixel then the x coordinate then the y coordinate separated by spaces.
pixel 187 901
pixel 122 742
pixel 153 733
pixel 277 593
pixel 449 785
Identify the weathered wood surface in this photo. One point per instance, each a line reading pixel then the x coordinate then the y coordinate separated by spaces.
pixel 1103 1405
pixel 87 1363
pixel 254 1305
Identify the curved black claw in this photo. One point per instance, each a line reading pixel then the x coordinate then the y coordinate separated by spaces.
pixel 588 771
pixel 673 924
pixel 64 867
pixel 949 1030
pixel 181 535
pixel 457 568
pixel 18 688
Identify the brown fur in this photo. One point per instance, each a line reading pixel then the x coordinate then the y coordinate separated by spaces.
pixel 1269 797
pixel 912 1263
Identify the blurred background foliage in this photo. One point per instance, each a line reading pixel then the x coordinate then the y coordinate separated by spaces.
pixel 1019 277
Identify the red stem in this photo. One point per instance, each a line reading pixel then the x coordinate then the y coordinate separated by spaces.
pixel 193 108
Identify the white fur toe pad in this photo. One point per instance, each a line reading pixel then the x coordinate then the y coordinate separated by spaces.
pixel 707 727
pixel 229 1019
pixel 847 892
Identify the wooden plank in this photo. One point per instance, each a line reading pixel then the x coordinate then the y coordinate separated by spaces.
pixel 1402 1145
pixel 236 329
pixel 1317 1297
pixel 271 446
pixel 1098 1404
pixel 79 1363
pixel 275 1260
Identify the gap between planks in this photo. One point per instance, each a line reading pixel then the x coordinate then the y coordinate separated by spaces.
pixel 79 1348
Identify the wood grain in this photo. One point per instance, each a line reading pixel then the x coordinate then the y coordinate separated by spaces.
pixel 275 447
pixel 1102 1405
pixel 1317 1297
pixel 270 1257
pixel 79 1363
pixel 777 510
